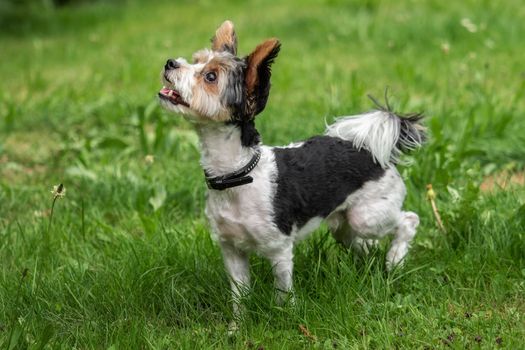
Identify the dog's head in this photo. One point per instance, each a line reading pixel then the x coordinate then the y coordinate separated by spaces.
pixel 218 86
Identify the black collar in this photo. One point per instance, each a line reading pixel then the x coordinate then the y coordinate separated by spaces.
pixel 236 178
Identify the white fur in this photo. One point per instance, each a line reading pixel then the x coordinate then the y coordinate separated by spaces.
pixel 181 80
pixel 241 216
pixel 374 211
pixel 377 132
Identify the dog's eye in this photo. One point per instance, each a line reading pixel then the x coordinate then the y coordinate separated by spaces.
pixel 210 77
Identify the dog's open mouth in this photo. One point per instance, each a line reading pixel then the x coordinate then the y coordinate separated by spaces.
pixel 172 96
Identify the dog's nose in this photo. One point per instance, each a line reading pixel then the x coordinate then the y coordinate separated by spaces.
pixel 171 64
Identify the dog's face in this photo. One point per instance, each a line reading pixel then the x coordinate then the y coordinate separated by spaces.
pixel 218 86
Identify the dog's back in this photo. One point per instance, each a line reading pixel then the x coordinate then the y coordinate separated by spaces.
pixel 316 177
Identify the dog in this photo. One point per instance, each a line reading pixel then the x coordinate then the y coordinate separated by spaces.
pixel 265 199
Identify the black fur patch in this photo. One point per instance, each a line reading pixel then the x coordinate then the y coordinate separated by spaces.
pixel 235 99
pixel 264 72
pixel 317 177
pixel 411 132
pixel 234 95
pixel 249 134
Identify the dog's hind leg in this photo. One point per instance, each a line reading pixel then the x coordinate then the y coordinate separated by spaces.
pixel 343 234
pixel 376 212
pixel 406 230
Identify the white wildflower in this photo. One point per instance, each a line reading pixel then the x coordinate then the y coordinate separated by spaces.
pixel 59 191
pixel 445 47
pixel 469 25
pixel 149 159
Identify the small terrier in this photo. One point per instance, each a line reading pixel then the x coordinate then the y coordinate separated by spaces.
pixel 264 199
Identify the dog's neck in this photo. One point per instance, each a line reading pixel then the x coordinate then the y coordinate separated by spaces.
pixel 222 151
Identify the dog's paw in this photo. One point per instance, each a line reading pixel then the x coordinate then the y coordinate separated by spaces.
pixel 283 298
pixel 393 262
pixel 233 328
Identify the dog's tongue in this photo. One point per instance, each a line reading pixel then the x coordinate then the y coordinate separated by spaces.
pixel 169 92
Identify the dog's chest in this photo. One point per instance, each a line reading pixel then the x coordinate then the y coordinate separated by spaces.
pixel 237 218
pixel 243 216
pixel 224 212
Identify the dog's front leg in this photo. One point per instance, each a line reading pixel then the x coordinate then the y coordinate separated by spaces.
pixel 282 267
pixel 237 265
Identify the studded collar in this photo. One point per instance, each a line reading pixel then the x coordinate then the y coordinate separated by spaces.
pixel 236 178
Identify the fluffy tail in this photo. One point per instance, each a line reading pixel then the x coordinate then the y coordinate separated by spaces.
pixel 383 133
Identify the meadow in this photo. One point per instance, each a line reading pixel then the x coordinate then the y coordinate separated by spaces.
pixel 125 260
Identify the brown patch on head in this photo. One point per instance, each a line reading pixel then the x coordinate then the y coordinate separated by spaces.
pixel 214 66
pixel 258 74
pixel 225 38
pixel 209 95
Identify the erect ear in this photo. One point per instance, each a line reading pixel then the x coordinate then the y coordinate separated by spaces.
pixel 258 72
pixel 225 38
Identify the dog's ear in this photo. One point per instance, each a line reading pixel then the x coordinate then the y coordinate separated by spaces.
pixel 225 38
pixel 257 78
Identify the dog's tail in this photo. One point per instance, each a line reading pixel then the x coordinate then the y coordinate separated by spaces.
pixel 385 134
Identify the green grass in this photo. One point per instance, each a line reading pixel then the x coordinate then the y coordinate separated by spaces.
pixel 78 106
